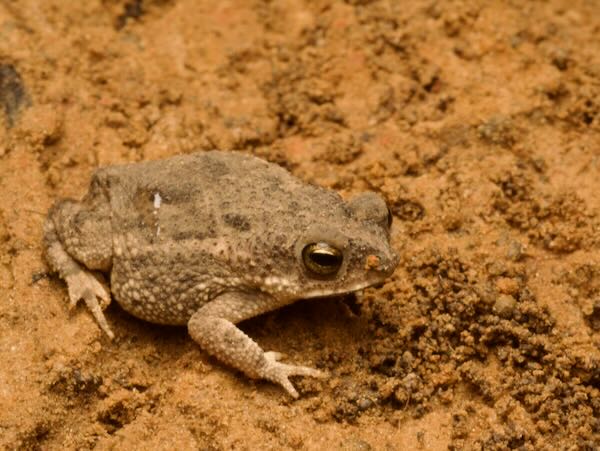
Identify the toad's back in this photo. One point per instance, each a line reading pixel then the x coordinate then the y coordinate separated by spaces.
pixel 203 195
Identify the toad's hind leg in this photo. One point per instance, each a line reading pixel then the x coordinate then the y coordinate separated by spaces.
pixel 76 241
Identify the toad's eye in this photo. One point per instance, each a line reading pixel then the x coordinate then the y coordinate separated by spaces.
pixel 322 258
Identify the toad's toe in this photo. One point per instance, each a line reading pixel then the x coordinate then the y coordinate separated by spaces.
pixel 278 372
pixel 84 285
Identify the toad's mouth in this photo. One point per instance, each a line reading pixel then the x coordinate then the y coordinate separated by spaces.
pixel 374 278
pixel 328 292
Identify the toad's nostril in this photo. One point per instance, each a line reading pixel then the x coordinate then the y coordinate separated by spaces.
pixel 372 262
pixel 381 263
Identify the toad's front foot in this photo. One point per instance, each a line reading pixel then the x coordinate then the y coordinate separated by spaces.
pixel 83 285
pixel 213 328
pixel 279 373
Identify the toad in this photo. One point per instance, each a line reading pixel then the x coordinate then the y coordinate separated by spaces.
pixel 210 239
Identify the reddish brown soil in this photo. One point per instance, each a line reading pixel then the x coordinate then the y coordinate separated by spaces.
pixel 478 121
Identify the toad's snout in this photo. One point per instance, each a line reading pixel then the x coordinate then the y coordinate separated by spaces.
pixel 381 263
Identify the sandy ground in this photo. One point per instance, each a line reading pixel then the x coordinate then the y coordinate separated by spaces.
pixel 478 121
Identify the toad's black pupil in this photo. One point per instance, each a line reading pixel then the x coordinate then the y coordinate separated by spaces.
pixel 326 259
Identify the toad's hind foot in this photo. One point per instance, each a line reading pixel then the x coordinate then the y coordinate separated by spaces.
pixel 84 285
pixel 279 373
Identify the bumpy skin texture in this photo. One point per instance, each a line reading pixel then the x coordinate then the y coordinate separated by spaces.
pixel 211 239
